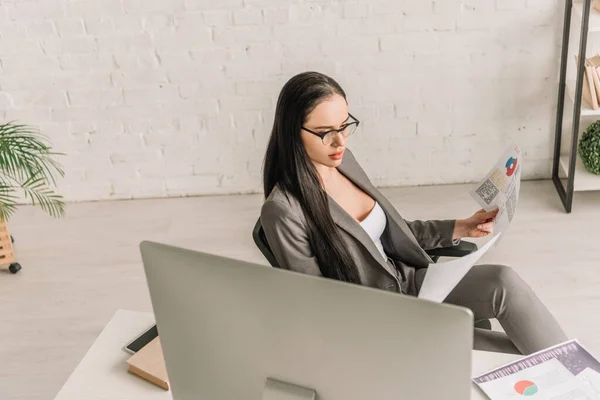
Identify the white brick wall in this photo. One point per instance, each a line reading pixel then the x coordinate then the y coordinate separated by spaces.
pixel 154 98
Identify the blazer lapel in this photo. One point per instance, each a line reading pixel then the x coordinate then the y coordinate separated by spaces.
pixel 356 176
pixel 345 221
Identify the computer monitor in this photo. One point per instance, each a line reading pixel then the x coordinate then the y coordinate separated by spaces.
pixel 232 330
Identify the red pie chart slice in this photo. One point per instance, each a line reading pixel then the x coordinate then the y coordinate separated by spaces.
pixel 511 166
pixel 526 388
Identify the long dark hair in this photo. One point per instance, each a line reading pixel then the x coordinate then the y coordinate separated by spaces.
pixel 287 165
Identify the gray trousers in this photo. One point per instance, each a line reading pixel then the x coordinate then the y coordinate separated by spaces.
pixel 497 291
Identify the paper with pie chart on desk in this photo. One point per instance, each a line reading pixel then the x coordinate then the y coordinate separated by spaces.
pixel 563 372
pixel 499 189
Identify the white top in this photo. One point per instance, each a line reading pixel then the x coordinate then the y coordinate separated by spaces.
pixel 374 224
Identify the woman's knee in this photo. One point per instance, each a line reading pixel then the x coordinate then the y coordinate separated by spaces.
pixel 502 275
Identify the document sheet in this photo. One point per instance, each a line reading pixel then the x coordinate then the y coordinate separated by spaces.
pixel 500 189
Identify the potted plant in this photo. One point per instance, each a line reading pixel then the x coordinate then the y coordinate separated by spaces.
pixel 28 171
pixel 589 148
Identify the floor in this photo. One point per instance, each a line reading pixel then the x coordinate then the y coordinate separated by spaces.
pixel 77 271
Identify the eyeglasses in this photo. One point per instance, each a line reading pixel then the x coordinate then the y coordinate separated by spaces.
pixel 328 136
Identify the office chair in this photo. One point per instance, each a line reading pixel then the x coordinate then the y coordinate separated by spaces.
pixel 460 250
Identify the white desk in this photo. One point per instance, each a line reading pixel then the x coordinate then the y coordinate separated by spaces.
pixel 102 374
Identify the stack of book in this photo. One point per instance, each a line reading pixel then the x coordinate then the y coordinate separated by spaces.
pixel 591 81
pixel 149 364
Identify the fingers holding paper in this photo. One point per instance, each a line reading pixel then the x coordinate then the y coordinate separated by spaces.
pixel 479 225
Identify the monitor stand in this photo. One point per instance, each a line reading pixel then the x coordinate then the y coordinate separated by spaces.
pixel 278 390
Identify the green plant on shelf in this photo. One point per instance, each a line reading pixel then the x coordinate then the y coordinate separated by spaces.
pixel 589 148
pixel 28 171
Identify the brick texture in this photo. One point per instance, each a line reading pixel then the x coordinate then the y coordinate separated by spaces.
pixel 158 98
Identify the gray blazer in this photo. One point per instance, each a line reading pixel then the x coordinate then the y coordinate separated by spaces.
pixel 403 241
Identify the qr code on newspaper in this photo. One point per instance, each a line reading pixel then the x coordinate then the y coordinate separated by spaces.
pixel 487 191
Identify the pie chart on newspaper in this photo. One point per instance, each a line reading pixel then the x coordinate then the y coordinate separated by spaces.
pixel 526 388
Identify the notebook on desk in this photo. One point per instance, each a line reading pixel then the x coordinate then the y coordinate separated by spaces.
pixel 149 364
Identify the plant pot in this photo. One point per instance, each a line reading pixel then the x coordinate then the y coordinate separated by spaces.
pixel 7 254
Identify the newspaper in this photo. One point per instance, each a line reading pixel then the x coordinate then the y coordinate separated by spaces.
pixel 566 371
pixel 500 189
pixel 441 278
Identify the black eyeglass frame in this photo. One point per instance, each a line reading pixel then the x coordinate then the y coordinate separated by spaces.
pixel 341 130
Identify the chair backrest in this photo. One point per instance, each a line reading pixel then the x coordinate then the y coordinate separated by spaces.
pixel 258 234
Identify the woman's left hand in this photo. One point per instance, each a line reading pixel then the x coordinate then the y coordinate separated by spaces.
pixel 479 225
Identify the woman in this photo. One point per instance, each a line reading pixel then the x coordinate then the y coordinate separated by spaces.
pixel 322 216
